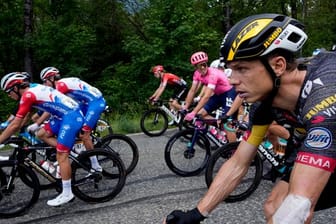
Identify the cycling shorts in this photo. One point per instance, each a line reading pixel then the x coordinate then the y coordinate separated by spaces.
pixel 66 129
pixel 92 113
pixel 223 100
pixel 180 92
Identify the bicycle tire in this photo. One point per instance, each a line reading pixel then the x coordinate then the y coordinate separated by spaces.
pixel 19 198
pixel 103 128
pixel 248 184
pixel 154 122
pixel 181 160
pixel 124 147
pixel 102 186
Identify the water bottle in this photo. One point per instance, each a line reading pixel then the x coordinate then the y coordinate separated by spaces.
pixel 47 166
pixel 213 130
pixel 222 137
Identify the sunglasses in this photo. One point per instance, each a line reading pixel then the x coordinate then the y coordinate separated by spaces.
pixel 9 90
pixel 201 65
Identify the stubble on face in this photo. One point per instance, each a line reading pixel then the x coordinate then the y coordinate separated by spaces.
pixel 251 80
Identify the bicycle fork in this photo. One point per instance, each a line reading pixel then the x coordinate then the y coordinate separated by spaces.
pixel 190 151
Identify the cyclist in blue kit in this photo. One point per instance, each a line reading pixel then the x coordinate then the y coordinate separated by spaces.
pixel 260 50
pixel 90 99
pixel 68 120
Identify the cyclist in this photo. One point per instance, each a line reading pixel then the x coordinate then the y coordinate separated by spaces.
pixel 217 90
pixel 169 79
pixel 90 99
pixel 65 111
pixel 260 50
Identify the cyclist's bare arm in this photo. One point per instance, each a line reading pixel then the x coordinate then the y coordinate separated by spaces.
pixel 158 92
pixel 206 96
pixel 307 181
pixel 13 127
pixel 228 177
pixel 192 91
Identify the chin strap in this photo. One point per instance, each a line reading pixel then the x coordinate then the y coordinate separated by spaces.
pixel 276 79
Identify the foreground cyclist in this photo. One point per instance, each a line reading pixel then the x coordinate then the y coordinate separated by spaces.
pixel 260 51
pixel 65 111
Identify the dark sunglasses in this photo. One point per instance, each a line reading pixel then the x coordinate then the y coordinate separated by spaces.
pixel 9 90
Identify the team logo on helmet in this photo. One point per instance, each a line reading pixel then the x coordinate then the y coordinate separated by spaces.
pixel 249 31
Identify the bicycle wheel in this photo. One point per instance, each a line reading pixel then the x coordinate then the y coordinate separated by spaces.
pixel 18 197
pixel 124 147
pixel 154 122
pixel 248 184
pixel 102 128
pixel 94 186
pixel 184 160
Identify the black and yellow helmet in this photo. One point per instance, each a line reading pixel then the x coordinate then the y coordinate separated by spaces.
pixel 259 35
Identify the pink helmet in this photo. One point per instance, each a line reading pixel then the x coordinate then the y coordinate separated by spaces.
pixel 157 68
pixel 198 57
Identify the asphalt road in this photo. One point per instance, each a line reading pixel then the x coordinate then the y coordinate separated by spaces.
pixel 150 193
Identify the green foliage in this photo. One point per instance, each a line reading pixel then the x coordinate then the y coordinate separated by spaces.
pixel 113 44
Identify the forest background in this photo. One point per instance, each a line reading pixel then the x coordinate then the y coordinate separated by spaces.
pixel 113 44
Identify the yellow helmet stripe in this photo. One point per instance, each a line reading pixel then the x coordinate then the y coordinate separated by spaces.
pixel 250 30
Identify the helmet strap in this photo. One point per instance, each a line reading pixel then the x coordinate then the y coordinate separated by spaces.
pixel 276 79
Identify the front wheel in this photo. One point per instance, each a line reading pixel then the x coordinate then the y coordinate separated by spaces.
pixel 250 181
pixel 154 122
pixel 94 185
pixel 124 147
pixel 17 197
pixel 187 156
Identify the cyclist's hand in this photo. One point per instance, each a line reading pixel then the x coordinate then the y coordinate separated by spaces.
pixel 33 127
pixel 190 116
pixel 189 217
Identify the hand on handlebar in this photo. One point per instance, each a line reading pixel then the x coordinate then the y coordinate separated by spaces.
pixel 190 116
pixel 189 217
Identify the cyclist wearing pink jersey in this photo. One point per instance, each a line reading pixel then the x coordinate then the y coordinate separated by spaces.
pixel 217 91
pixel 65 111
pixel 171 80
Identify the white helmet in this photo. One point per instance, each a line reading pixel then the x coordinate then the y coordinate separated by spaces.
pixel 49 72
pixel 217 64
pixel 14 78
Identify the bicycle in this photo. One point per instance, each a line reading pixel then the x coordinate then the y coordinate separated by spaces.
pixel 154 121
pixel 103 127
pixel 20 187
pixel 253 177
pixel 123 146
pixel 188 151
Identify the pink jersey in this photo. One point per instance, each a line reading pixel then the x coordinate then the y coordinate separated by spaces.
pixel 214 79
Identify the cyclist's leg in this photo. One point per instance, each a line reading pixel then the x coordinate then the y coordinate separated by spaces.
pixel 46 132
pixel 65 141
pixel 93 112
